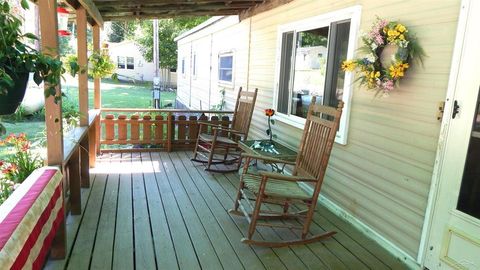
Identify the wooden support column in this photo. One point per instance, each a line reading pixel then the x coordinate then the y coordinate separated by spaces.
pixel 97 100
pixel 83 62
pixel 53 111
pixel 96 83
pixel 82 54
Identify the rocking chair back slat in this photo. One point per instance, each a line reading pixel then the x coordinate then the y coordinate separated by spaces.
pixel 244 111
pixel 317 140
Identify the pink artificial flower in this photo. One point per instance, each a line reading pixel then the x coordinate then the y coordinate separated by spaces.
pixel 379 40
pixel 388 85
pixel 382 23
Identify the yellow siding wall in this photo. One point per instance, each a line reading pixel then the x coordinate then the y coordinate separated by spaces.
pixel 382 176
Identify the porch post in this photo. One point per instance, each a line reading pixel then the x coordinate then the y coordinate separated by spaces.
pixel 83 62
pixel 53 111
pixel 82 51
pixel 97 102
pixel 96 47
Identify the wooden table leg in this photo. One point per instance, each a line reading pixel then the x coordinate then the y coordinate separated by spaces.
pixel 84 163
pixel 75 178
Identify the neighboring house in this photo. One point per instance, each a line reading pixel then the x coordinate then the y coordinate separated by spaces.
pixel 392 171
pixel 132 66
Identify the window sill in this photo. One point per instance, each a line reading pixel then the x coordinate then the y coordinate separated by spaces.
pixel 295 122
pixel 225 83
pixel 299 123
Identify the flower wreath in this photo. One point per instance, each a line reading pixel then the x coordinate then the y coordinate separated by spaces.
pixel 378 71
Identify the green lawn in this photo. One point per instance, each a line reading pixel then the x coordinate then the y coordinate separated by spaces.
pixel 122 95
pixel 114 95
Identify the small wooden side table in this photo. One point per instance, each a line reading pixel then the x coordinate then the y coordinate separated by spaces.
pixel 263 149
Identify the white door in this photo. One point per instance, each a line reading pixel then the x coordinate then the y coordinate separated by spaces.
pixel 454 241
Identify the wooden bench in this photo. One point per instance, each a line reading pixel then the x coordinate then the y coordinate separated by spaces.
pixel 30 219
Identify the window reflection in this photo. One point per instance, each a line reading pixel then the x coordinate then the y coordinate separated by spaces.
pixel 310 66
pixel 469 198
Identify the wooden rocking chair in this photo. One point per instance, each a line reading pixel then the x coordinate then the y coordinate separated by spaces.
pixel 217 148
pixel 281 191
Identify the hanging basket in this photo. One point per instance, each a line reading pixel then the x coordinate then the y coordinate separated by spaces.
pixel 10 101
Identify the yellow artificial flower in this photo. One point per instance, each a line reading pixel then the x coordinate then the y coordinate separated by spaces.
pixel 348 65
pixel 398 70
pixel 400 28
pixel 372 77
pixel 374 74
pixel 392 35
pixel 401 37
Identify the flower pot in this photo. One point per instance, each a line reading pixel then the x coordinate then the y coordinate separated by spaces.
pixel 10 101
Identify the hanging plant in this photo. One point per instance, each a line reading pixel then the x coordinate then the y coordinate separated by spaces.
pixel 99 65
pixel 18 58
pixel 390 49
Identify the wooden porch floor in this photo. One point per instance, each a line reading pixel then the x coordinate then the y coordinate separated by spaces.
pixel 161 211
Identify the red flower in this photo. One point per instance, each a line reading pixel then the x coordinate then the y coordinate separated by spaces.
pixel 10 169
pixel 269 112
pixel 1 163
pixel 26 146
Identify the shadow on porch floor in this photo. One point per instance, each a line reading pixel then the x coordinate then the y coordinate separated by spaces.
pixel 161 211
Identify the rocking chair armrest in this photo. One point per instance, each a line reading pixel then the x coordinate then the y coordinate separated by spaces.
pixel 292 178
pixel 268 159
pixel 222 128
pixel 209 124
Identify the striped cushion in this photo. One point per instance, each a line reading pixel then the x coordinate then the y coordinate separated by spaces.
pixel 276 188
pixel 29 219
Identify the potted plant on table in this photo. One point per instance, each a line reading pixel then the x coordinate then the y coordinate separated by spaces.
pixel 18 60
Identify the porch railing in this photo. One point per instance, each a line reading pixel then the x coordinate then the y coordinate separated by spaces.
pixel 155 129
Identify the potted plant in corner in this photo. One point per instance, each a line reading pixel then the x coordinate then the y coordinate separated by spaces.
pixel 18 60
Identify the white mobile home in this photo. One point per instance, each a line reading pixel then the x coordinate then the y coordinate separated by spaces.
pixel 408 179
pixel 131 65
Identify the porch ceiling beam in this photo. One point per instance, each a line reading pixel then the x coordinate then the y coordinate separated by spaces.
pixel 259 8
pixel 169 15
pixel 95 17
pixel 130 11
pixel 170 2
pixel 119 6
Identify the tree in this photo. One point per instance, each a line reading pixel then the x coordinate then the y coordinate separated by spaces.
pixel 119 31
pixel 168 29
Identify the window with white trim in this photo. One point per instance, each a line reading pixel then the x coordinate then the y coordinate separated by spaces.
pixel 121 62
pixel 310 53
pixel 183 66
pixel 225 67
pixel 194 65
pixel 130 62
